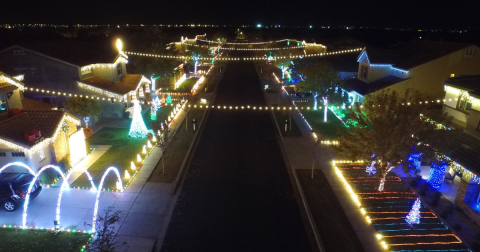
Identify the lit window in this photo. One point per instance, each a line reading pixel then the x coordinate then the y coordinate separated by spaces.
pixel 3 104
pixel 465 104
pixel 452 75
pixel 469 52
pixel 18 52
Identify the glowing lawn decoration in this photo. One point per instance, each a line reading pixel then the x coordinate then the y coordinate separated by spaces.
pixel 153 112
pixel 371 168
pixel 169 99
pixel 132 166
pixel 19 164
pixel 137 128
pixel 30 187
pixel 65 185
pixel 414 216
pixel 119 187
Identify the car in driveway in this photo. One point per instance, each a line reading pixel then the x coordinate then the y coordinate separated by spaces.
pixel 14 188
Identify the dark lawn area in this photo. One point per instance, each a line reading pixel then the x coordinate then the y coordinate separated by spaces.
pixel 13 239
pixel 332 224
pixel 325 130
pixel 123 150
pixel 281 116
pixel 177 150
pixel 290 90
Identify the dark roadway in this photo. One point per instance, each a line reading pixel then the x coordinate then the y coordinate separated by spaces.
pixel 237 194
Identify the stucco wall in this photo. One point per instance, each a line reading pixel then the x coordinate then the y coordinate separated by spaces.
pixel 109 73
pixel 59 145
pixel 15 100
pixel 34 161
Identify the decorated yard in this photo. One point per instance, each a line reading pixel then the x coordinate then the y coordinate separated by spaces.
pixel 123 150
pixel 15 239
pixel 387 212
pixel 325 130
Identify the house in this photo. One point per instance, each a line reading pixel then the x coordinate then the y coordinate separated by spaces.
pixel 57 70
pixel 462 101
pixel 41 137
pixel 34 132
pixel 419 64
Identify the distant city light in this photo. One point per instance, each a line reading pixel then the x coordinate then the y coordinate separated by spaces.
pixel 311 27
pixel 259 25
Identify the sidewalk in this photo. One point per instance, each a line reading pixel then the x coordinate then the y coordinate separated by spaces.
pixel 299 151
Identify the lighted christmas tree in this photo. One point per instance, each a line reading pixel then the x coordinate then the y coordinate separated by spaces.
pixel 414 162
pixel 153 112
pixel 414 216
pixel 169 99
pixel 157 102
pixel 137 128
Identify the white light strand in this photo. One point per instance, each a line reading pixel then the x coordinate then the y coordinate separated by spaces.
pixel 12 81
pixel 99 90
pixel 121 58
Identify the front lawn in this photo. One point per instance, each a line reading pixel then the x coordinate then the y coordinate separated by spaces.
pixel 186 86
pixel 14 239
pixel 123 150
pixel 325 130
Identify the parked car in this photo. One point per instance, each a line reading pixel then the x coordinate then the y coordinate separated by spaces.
pixel 14 188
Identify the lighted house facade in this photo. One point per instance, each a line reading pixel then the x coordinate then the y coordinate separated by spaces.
pixel 10 93
pixel 55 71
pixel 420 65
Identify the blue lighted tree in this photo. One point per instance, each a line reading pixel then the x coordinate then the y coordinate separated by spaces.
pixel 437 173
pixel 137 128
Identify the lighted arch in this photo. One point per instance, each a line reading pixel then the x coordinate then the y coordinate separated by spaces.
pixel 99 190
pixel 19 164
pixel 27 198
pixel 65 185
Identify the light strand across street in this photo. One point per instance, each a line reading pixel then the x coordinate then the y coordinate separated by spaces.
pixel 245 58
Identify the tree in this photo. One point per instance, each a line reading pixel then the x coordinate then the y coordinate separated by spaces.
pixel 154 40
pixel 188 108
pixel 197 53
pixel 83 107
pixel 105 236
pixel 164 140
pixel 390 126
pixel 321 79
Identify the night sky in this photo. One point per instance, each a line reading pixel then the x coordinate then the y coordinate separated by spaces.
pixel 416 14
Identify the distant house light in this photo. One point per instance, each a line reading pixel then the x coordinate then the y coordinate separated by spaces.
pixel 259 25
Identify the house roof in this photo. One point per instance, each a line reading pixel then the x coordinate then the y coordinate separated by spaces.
pixel 464 149
pixel 345 63
pixel 13 128
pixel 128 83
pixel 5 86
pixel 364 88
pixel 29 104
pixel 469 83
pixel 73 52
pixel 407 55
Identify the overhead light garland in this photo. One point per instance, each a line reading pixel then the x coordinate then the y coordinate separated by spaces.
pixel 5 78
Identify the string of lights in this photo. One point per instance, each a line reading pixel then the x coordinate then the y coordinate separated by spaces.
pixel 244 58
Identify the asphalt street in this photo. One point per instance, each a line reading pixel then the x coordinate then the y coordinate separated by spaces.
pixel 237 195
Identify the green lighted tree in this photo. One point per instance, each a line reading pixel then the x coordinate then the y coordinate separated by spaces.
pixel 83 107
pixel 390 125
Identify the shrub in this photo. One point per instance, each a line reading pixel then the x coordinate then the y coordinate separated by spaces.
pixel 48 176
pixel 422 191
pixel 457 227
pixel 436 197
pixel 413 182
pixel 450 208
pixel 444 214
pixel 65 164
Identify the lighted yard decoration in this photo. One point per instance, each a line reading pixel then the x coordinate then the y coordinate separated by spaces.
pixel 414 216
pixel 137 128
pixel 169 99
pixel 153 112
pixel 382 125
pixel 437 173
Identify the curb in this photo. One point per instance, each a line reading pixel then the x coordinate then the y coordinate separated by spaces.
pixel 294 179
pixel 181 174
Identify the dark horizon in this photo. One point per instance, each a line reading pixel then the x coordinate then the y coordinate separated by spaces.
pixel 416 15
